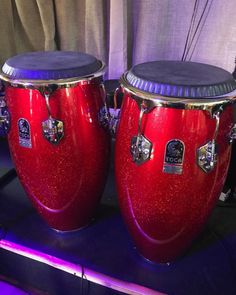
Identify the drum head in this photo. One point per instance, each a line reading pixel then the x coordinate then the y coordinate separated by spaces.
pixel 181 79
pixel 50 65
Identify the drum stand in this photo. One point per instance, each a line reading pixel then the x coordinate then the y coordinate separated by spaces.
pixel 7 177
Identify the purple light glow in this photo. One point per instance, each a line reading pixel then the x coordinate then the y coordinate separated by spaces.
pixel 10 289
pixel 76 270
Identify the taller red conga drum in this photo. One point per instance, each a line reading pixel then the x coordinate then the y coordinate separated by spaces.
pixel 58 138
pixel 172 152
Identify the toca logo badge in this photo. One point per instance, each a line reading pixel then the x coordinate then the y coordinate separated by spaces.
pixel 174 156
pixel 24 133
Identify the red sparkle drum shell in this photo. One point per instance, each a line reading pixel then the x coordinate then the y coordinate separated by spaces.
pixel 64 181
pixel 164 212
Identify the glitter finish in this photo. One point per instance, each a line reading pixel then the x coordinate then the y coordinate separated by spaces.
pixel 63 181
pixel 165 212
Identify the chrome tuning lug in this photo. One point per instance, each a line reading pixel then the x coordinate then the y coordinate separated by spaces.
pixel 114 120
pixel 104 114
pixel 114 113
pixel 53 130
pixel 140 149
pixel 104 117
pixel 4 118
pixel 232 134
pixel 207 156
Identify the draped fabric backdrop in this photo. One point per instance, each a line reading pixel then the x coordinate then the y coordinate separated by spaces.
pixel 122 32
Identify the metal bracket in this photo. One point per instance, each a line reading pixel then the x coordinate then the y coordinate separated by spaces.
pixel 146 104
pixel 114 114
pixel 216 109
pixel 207 156
pixel 232 134
pixel 53 130
pixel 4 118
pixel 140 146
pixel 104 114
pixel 114 120
pixel 140 149
pixel 48 90
pixel 104 117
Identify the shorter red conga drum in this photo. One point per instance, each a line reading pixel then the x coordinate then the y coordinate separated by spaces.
pixel 58 138
pixel 172 152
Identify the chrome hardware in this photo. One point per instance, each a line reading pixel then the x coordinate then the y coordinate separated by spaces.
pixel 104 117
pixel 216 116
pixel 47 96
pixel 232 134
pixel 140 149
pixel 4 117
pixel 53 129
pixel 207 154
pixel 114 115
pixel 104 114
pixel 109 118
pixel 153 100
pixel 114 120
pixel 217 110
pixel 225 195
pixel 140 146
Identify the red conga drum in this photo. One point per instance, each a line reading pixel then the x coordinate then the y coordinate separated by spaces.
pixel 58 138
pixel 172 152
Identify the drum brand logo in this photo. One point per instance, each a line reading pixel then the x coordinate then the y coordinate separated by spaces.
pixel 24 133
pixel 174 155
